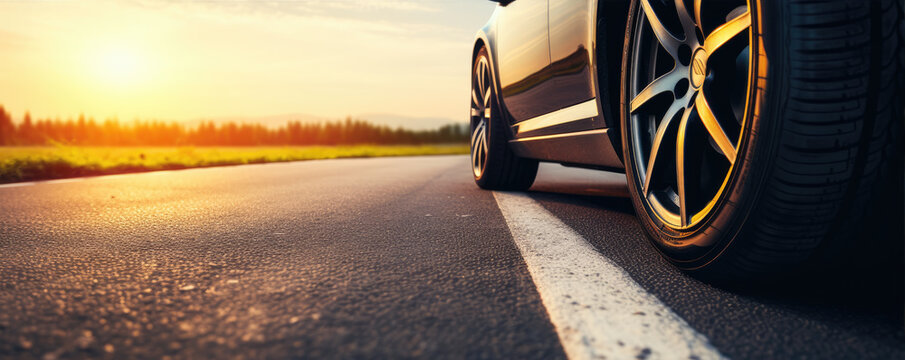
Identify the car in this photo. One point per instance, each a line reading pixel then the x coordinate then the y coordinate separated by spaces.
pixel 754 134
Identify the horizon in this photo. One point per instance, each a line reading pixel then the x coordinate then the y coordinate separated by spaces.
pixel 269 121
pixel 186 62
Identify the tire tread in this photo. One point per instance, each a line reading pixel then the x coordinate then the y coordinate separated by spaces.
pixel 838 133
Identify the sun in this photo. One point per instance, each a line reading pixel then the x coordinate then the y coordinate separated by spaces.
pixel 119 66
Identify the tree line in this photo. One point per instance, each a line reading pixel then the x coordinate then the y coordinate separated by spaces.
pixel 88 132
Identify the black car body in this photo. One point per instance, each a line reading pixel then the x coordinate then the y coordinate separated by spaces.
pixel 547 65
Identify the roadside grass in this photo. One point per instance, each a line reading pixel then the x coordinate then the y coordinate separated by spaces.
pixel 30 163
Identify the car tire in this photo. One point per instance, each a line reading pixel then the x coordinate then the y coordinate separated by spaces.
pixel 494 165
pixel 820 128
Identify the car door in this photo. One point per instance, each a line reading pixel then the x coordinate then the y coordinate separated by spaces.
pixel 523 51
pixel 571 43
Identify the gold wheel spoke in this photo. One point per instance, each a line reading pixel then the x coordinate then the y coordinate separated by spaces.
pixel 721 35
pixel 713 128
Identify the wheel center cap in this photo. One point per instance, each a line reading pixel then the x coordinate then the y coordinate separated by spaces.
pixel 698 68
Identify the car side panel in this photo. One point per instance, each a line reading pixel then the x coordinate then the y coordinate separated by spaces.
pixel 573 91
pixel 574 136
pixel 571 46
pixel 523 55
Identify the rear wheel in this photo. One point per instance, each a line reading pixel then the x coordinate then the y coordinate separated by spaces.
pixel 493 163
pixel 753 134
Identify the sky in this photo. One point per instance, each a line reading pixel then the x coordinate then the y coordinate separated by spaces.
pixel 189 60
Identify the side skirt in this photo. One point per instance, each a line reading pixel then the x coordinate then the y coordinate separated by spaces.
pixel 591 148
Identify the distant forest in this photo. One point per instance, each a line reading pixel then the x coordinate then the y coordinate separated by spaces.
pixel 88 132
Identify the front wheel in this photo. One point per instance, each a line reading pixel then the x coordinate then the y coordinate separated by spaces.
pixel 754 133
pixel 494 165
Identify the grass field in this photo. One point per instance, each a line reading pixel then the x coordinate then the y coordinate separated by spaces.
pixel 54 162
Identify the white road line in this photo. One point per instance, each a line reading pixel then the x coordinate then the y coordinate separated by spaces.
pixel 597 309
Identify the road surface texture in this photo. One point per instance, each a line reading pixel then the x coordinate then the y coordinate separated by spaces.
pixel 374 258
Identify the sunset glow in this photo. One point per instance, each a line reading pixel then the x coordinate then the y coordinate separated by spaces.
pixel 191 60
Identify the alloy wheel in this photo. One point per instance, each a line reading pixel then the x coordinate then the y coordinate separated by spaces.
pixel 687 100
pixel 481 110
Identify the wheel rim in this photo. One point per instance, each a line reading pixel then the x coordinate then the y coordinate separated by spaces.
pixel 480 115
pixel 688 98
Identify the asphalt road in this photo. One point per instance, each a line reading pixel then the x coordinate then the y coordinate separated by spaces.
pixel 360 258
